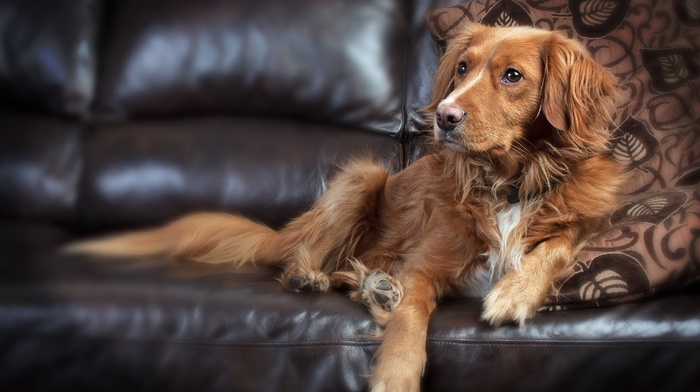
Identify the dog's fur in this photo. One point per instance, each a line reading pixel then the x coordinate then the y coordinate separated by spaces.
pixel 445 224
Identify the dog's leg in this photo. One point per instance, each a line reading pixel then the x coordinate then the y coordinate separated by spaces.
pixel 401 358
pixel 521 292
pixel 377 290
pixel 329 233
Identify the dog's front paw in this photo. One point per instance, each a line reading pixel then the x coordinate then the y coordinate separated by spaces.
pixel 302 279
pixel 511 300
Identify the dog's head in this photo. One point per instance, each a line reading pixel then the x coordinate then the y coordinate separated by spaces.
pixel 495 86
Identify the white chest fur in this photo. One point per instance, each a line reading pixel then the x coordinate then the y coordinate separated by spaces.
pixel 511 243
pixel 507 255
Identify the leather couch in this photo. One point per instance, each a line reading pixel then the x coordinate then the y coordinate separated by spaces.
pixel 122 114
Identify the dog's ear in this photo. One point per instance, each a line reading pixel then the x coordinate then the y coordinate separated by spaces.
pixel 444 77
pixel 579 95
pixel 456 44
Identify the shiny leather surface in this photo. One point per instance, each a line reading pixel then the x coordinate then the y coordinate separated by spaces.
pixel 154 324
pixel 48 55
pixel 268 169
pixel 151 325
pixel 647 346
pixel 334 61
pixel 40 166
pixel 165 107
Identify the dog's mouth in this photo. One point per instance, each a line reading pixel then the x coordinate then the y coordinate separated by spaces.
pixel 450 140
pixel 445 137
pixel 454 141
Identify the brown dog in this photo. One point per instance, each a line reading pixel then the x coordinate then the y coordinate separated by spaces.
pixel 520 178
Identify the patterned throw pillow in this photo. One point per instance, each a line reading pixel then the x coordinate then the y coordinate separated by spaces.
pixel 652 243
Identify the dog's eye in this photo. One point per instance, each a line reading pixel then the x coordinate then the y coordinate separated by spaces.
pixel 512 76
pixel 462 68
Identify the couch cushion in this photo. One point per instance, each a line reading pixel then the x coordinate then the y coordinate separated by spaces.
pixel 147 172
pixel 651 243
pixel 48 55
pixel 153 324
pixel 40 167
pixel 22 237
pixel 646 346
pixel 148 324
pixel 333 61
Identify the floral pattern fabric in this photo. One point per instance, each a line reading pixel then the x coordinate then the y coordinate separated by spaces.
pixel 652 243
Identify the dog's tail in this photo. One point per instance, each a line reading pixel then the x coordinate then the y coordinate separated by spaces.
pixel 205 237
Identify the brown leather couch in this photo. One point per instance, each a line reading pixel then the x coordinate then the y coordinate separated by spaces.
pixel 118 114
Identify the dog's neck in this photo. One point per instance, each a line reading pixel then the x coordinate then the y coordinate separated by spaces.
pixel 542 161
pixel 512 176
pixel 529 174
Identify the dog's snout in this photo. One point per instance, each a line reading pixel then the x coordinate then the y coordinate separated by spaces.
pixel 448 116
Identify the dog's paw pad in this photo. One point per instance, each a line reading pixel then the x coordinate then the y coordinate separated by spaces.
pixel 299 280
pixel 300 283
pixel 380 289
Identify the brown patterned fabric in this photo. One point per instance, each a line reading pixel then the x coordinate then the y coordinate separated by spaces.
pixel 652 243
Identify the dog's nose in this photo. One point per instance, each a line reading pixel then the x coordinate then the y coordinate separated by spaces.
pixel 448 116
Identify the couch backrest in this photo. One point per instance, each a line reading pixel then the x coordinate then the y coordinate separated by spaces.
pixel 48 59
pixel 47 82
pixel 125 113
pixel 330 61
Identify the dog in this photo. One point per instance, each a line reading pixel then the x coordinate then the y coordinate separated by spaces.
pixel 520 177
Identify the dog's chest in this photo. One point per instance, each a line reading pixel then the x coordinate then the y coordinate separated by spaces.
pixel 507 220
pixel 506 254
